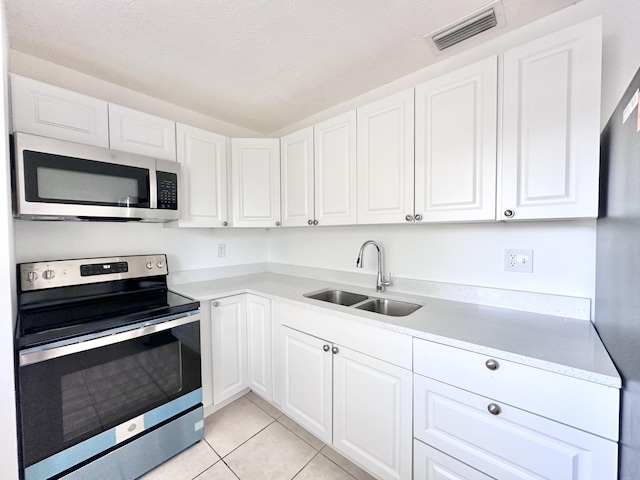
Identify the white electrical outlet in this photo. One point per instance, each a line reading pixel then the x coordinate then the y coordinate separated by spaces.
pixel 222 250
pixel 518 260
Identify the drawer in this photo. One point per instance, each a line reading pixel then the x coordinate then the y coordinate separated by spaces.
pixel 392 347
pixel 586 405
pixel 509 444
pixel 432 464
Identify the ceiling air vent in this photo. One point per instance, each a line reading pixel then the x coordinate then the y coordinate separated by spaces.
pixel 488 17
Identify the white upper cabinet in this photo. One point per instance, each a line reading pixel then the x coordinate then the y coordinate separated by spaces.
pixel 455 161
pixel 335 170
pixel 296 164
pixel 203 156
pixel 42 109
pixel 385 160
pixel 255 181
pixel 137 132
pixel 551 127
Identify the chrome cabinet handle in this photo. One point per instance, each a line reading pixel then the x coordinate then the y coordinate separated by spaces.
pixel 494 409
pixel 315 222
pixel 509 213
pixel 325 348
pixel 418 218
pixel 215 304
pixel 409 218
pixel 492 364
pixel 334 350
pixel 224 224
pixel 310 222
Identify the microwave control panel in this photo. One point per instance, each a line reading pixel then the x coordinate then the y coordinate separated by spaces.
pixel 167 190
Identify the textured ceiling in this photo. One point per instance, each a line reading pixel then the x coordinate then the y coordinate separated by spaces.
pixel 258 64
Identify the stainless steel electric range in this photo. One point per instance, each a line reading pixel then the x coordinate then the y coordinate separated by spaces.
pixel 108 368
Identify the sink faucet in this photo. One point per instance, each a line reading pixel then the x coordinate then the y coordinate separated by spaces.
pixel 380 283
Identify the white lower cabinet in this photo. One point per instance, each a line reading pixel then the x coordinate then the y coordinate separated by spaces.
pixel 486 417
pixel 241 346
pixel 432 464
pixel 355 402
pixel 229 344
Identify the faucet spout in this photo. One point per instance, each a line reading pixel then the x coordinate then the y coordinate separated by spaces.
pixel 380 282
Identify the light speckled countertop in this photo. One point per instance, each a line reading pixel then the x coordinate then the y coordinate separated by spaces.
pixel 562 345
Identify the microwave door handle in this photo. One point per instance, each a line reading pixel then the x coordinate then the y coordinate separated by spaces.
pixel 29 357
pixel 153 189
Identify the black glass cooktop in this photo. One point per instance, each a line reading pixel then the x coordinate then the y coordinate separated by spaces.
pixel 51 315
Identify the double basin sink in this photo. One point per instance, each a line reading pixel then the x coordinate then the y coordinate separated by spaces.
pixel 383 306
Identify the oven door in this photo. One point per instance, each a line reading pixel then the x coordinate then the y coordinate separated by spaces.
pixel 81 399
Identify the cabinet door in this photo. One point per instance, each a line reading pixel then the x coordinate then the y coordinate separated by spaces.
pixel 385 160
pixel 229 344
pixel 296 164
pixel 255 176
pixel 335 170
pixel 551 127
pixel 307 381
pixel 372 413
pixel 203 156
pixel 505 442
pixel 138 132
pixel 259 345
pixel 50 111
pixel 432 464
pixel 456 125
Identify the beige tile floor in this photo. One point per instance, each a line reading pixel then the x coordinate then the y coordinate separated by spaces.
pixel 249 439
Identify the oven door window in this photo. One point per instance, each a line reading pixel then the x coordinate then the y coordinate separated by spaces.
pixel 57 179
pixel 68 399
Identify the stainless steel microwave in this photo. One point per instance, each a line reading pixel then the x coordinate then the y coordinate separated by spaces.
pixel 60 180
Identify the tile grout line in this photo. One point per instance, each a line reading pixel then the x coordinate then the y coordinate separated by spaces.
pixel 306 464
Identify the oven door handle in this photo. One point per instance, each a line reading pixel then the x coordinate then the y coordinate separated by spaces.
pixel 40 354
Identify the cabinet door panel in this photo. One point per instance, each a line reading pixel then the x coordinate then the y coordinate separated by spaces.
pixel 372 413
pixel 259 345
pixel 229 332
pixel 296 163
pixel 255 174
pixel 456 125
pixel 511 444
pixel 50 111
pixel 432 464
pixel 552 125
pixel 307 382
pixel 385 159
pixel 203 156
pixel 335 170
pixel 137 132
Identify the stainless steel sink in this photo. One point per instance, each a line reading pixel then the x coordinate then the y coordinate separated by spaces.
pixel 339 297
pixel 388 307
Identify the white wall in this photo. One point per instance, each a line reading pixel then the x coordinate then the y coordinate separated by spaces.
pixel 469 254
pixel 187 249
pixel 8 440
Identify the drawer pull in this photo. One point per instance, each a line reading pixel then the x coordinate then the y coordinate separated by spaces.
pixel 494 409
pixel 492 364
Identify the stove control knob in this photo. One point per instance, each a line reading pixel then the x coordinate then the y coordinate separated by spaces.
pixel 48 274
pixel 32 276
pixel 160 264
pixel 149 265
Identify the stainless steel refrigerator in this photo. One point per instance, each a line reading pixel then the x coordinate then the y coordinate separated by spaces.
pixel 617 313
